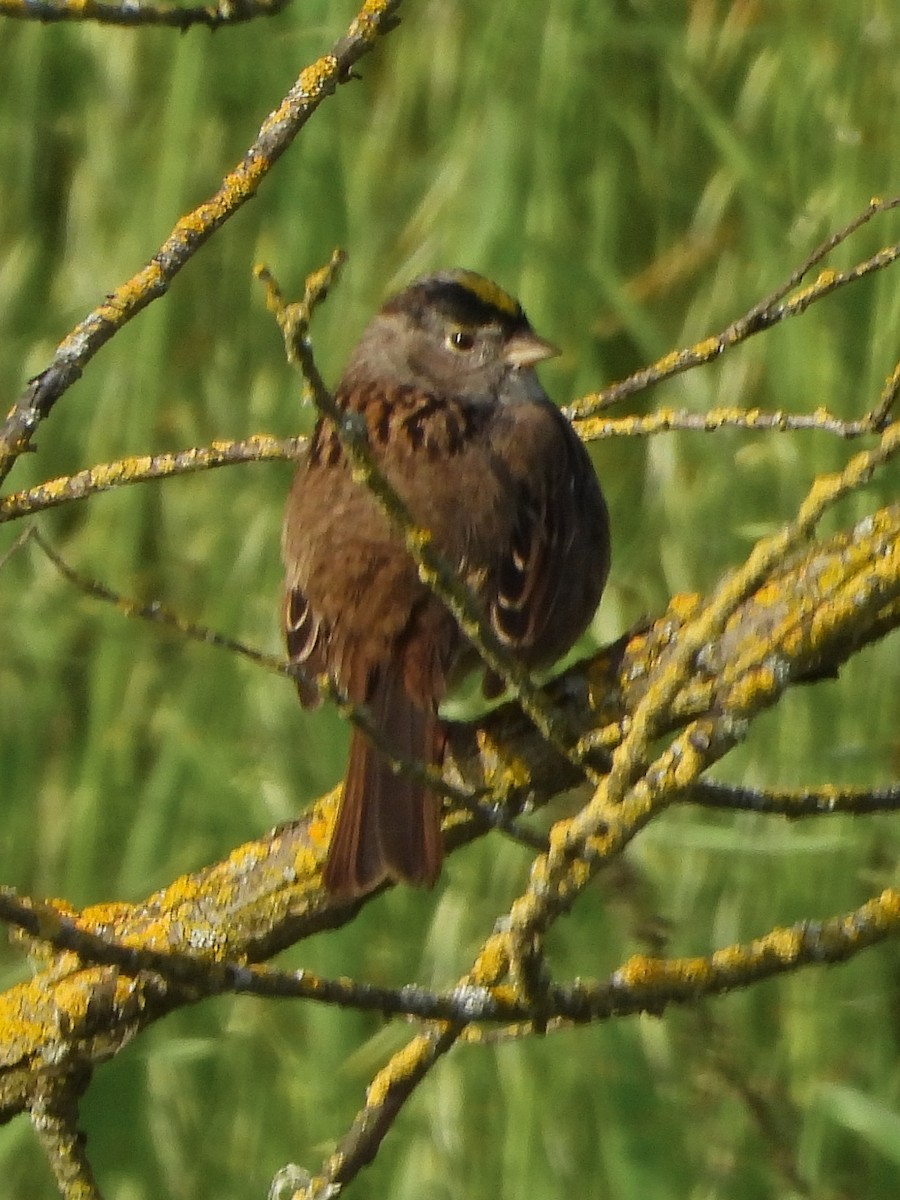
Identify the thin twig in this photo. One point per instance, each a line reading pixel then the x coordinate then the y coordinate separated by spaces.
pixel 21 541
pixel 767 312
pixel 754 420
pixel 54 1118
pixel 141 468
pixel 798 802
pixel 357 714
pixel 130 15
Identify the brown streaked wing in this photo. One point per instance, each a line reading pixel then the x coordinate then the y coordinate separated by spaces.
pixel 529 574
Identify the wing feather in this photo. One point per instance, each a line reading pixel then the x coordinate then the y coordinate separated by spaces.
pixel 305 643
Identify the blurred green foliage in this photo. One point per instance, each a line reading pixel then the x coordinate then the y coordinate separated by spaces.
pixel 639 172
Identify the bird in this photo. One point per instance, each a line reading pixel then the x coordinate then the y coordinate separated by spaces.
pixel 444 379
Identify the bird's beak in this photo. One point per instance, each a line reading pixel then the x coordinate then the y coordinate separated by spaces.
pixel 526 349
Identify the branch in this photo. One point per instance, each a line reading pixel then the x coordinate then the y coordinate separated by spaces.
pixel 73 354
pixel 639 786
pixel 490 815
pixel 144 467
pixel 770 311
pixel 54 1117
pixel 130 15
pixel 206 930
pixel 642 984
pixel 264 447
pixel 754 420
pixel 798 802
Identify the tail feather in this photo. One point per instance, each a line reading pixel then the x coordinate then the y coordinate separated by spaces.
pixel 388 826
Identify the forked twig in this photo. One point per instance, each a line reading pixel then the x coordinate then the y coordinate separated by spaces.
pixel 766 313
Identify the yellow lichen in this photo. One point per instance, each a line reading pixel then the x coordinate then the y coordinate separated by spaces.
pixel 400 1067
pixel 314 80
pixel 638 972
pixel 491 964
pixel 708 348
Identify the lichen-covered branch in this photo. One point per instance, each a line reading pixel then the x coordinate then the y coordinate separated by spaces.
pixel 279 129
pixel 140 468
pixel 767 312
pixel 516 950
pixel 754 420
pixel 811 624
pixel 826 800
pixel 54 1118
pixel 189 940
pixel 134 16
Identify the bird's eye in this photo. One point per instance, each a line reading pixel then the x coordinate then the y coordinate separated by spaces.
pixel 460 339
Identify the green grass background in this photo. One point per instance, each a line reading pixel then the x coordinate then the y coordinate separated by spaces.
pixel 564 148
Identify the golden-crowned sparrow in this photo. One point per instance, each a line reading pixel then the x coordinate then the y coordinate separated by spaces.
pixel 461 427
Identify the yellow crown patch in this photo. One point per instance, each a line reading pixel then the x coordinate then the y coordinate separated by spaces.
pixel 487 292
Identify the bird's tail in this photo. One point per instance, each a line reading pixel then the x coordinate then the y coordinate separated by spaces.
pixel 389 825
